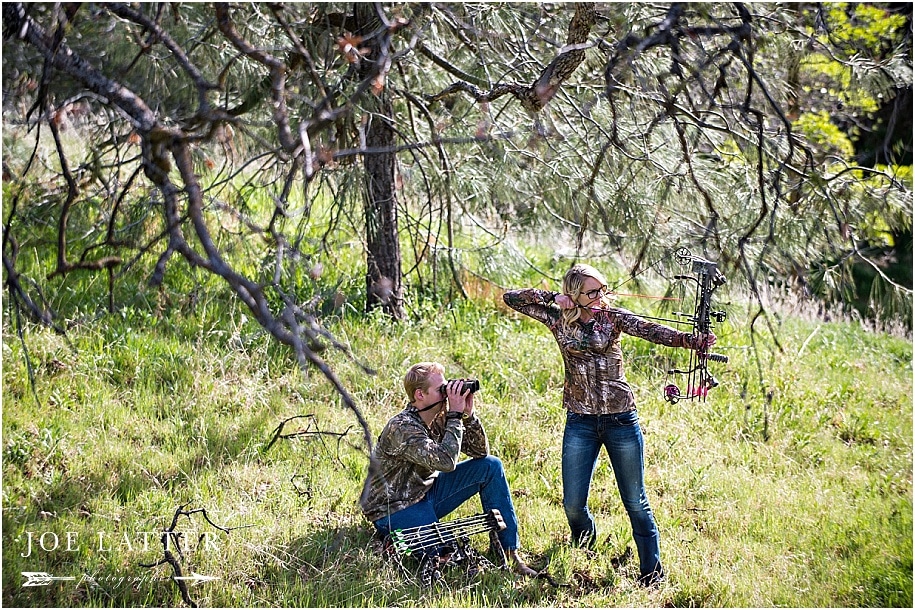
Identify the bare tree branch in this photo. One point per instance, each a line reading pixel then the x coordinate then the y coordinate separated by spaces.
pixel 537 95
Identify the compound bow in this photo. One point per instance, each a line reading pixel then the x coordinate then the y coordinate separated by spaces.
pixel 445 543
pixel 698 378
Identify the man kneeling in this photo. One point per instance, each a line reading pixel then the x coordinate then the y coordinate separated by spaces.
pixel 418 479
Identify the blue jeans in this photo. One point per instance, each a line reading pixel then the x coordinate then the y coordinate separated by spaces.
pixel 484 476
pixel 621 435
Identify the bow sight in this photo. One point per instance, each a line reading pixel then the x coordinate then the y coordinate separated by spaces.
pixel 707 278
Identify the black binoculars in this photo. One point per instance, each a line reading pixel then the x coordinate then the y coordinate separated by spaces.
pixel 469 385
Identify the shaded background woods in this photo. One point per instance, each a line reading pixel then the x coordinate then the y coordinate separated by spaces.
pixel 774 140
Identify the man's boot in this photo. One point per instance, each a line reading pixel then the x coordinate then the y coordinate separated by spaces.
pixel 517 565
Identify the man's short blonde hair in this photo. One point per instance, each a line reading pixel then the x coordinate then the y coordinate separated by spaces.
pixel 417 378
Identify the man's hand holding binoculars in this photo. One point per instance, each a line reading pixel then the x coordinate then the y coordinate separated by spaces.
pixel 460 395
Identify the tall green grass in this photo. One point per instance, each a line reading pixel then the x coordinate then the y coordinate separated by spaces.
pixel 790 486
pixel 805 500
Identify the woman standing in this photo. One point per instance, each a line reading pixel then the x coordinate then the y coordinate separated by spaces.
pixel 600 405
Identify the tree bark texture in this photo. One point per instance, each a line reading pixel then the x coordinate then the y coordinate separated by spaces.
pixel 383 261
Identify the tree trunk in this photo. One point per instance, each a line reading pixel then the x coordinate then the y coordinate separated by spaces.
pixel 383 262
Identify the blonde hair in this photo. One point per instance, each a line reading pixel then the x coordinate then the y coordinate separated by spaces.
pixel 572 283
pixel 417 378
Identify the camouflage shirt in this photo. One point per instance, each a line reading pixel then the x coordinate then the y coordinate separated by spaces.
pixel 594 379
pixel 410 455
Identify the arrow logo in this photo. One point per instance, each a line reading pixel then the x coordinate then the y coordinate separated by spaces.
pixel 42 579
pixel 196 578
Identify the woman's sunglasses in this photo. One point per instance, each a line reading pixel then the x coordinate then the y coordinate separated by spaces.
pixel 597 292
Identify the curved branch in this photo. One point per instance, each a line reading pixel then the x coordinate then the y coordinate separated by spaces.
pixel 64 59
pixel 537 95
pixel 277 71
pixel 63 266
pixel 203 86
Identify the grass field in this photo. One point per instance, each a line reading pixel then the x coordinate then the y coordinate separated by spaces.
pixel 803 498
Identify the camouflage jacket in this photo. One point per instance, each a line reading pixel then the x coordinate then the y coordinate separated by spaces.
pixel 410 455
pixel 594 379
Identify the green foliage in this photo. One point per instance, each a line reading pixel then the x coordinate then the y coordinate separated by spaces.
pixel 819 129
pixel 657 164
pixel 853 33
pixel 862 28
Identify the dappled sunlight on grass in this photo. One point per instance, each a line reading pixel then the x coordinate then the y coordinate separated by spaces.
pixel 804 500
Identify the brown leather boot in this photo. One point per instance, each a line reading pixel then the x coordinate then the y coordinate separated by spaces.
pixel 517 565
